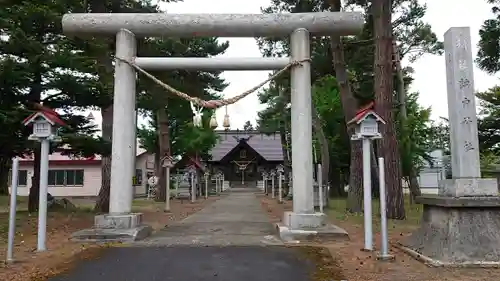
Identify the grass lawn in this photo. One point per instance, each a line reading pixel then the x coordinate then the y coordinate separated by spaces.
pixel 337 210
pixel 22 203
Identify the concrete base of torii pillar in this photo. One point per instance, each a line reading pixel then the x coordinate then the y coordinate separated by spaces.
pixel 117 228
pixel 297 227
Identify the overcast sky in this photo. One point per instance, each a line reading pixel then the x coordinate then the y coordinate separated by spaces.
pixel 430 79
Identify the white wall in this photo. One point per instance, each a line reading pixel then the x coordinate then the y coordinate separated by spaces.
pixel 146 163
pixel 91 178
pixel 90 187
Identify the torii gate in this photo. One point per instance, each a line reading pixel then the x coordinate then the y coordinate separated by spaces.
pixel 126 26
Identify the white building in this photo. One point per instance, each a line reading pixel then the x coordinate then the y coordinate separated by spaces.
pixel 81 177
pixel 430 174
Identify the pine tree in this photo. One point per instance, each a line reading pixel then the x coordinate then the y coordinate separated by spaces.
pixel 47 68
pixel 172 115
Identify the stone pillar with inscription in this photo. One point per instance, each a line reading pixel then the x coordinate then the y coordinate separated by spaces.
pixel 466 179
pixel 460 226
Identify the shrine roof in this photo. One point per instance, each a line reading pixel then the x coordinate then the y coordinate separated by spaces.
pixel 267 145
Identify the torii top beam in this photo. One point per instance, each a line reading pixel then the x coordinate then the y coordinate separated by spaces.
pixel 221 25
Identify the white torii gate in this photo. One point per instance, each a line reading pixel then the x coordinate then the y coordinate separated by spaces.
pixel 126 26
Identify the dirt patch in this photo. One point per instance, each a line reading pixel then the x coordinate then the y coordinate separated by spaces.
pixel 326 266
pixel 356 265
pixel 273 209
pixel 62 254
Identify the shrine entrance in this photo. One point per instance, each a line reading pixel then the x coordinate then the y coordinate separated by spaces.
pixel 127 26
pixel 246 170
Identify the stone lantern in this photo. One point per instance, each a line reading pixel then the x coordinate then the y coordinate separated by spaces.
pixel 45 126
pixel 167 162
pixel 44 123
pixel 366 128
pixel 280 169
pixel 264 181
pixel 221 178
pixel 207 175
pixel 366 124
pixel 273 175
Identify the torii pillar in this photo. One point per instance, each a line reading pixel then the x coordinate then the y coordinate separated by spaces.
pixel 126 26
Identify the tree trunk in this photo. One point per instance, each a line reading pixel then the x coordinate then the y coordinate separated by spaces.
pixel 35 97
pixel 355 192
pixel 34 194
pixel 413 185
pixel 349 107
pixel 323 143
pixel 102 204
pixel 5 166
pixel 388 145
pixel 412 173
pixel 336 184
pixel 286 161
pixel 164 148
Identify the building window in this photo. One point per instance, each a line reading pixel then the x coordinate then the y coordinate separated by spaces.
pixel 138 177
pixel 65 177
pixel 243 154
pixel 22 179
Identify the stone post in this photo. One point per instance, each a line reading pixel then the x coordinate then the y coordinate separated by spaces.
pixel 303 215
pixel 460 226
pixel 124 137
pixel 301 124
pixel 465 164
pixel 120 223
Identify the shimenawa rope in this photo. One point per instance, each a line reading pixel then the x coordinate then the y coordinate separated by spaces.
pixel 211 103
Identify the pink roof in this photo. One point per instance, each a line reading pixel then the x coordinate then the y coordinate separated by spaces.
pixel 58 156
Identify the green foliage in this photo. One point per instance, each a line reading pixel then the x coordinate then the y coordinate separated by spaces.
pixel 40 64
pixel 414 38
pixel 326 100
pixel 184 138
pixel 488 120
pixel 274 117
pixel 440 135
pixel 488 55
pixel 489 161
pixel 416 138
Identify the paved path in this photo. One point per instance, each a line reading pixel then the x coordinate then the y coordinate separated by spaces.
pixel 237 219
pixel 229 240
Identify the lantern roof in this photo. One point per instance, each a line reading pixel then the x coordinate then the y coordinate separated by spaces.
pixel 365 112
pixel 46 113
pixel 167 161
